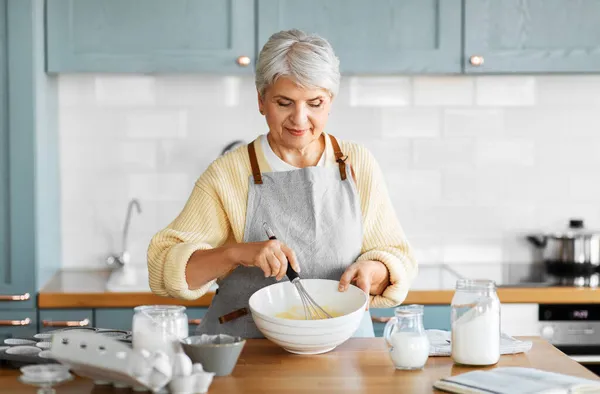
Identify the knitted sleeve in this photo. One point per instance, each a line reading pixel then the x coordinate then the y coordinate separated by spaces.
pixel 201 225
pixel 383 237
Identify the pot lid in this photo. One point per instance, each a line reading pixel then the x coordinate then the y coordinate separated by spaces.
pixel 576 229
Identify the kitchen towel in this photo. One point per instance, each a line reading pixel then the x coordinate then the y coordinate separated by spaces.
pixel 439 343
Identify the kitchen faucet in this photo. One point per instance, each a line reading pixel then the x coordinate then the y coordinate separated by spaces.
pixel 123 258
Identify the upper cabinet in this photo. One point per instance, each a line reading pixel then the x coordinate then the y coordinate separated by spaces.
pixel 531 36
pixel 383 36
pixel 369 36
pixel 151 36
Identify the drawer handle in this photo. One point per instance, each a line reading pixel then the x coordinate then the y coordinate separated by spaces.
pixel 24 322
pixel 68 323
pixel 378 319
pixel 19 297
pixel 194 322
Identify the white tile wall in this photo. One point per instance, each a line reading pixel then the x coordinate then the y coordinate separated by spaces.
pixel 472 163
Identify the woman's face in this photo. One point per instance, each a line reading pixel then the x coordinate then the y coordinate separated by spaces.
pixel 296 116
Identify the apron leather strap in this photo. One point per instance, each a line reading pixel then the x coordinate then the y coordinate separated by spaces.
pixel 254 164
pixel 339 156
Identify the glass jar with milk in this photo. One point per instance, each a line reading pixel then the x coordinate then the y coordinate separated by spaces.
pixel 159 328
pixel 406 338
pixel 475 319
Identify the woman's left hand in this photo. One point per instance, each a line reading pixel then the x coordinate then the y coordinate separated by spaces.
pixel 371 276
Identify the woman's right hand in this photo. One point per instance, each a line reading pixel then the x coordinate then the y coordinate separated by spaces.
pixel 270 256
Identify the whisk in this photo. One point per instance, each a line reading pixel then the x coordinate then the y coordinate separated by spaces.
pixel 312 310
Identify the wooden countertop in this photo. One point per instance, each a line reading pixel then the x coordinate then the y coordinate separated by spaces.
pixel 86 289
pixel 360 365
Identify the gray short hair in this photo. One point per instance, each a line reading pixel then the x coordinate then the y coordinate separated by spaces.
pixel 306 58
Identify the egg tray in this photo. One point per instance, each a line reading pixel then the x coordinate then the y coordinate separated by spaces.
pixel 17 360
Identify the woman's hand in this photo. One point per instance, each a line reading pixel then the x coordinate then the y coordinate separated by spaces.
pixel 270 256
pixel 370 276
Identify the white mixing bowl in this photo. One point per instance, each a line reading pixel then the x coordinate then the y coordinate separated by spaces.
pixel 308 336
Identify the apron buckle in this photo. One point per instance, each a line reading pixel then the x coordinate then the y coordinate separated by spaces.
pixel 233 315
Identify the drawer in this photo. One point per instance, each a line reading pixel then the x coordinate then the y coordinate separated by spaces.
pixel 52 319
pixel 17 323
pixel 114 318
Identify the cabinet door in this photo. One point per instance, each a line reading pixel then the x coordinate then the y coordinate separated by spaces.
pixel 52 319
pixel 375 36
pixel 17 324
pixel 150 35
pixel 114 318
pixel 17 256
pixel 529 36
pixel 434 317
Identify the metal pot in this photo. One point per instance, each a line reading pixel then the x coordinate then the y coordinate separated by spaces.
pixel 575 251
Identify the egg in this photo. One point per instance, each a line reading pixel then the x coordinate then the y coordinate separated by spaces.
pixel 182 365
pixel 197 367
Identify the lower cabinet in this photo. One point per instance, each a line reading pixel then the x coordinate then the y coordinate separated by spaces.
pixel 434 317
pixel 17 323
pixel 53 319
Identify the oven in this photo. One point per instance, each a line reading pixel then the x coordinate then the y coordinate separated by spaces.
pixel 575 330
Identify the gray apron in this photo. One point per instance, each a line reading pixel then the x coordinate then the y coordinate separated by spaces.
pixel 316 212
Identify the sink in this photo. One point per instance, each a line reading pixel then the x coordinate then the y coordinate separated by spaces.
pixel 132 279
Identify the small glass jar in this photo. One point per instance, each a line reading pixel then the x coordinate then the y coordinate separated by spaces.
pixel 406 338
pixel 159 327
pixel 475 320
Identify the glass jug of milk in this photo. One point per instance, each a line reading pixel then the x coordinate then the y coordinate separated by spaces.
pixel 406 338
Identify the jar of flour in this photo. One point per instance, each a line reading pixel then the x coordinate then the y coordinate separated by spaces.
pixel 475 323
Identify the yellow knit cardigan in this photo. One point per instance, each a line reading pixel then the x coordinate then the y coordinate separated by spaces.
pixel 215 213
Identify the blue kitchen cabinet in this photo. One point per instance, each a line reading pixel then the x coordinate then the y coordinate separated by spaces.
pixel 136 36
pixel 28 192
pixel 375 37
pixel 53 319
pixel 17 324
pixel 434 317
pixel 532 36
pixel 122 318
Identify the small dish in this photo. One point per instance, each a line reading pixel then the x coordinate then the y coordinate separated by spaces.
pixel 44 372
pixel 23 350
pixel 18 342
pixel 43 335
pixel 216 353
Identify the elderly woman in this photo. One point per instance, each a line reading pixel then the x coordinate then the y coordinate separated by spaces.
pixel 325 200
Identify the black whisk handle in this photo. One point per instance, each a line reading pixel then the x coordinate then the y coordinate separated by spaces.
pixel 290 273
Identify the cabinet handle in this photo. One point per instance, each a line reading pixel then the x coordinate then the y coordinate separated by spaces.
pixel 68 323
pixel 243 61
pixel 24 322
pixel 194 322
pixel 476 60
pixel 377 319
pixel 15 297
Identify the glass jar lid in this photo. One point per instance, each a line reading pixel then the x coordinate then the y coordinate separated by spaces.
pixel 409 310
pixel 475 284
pixel 160 310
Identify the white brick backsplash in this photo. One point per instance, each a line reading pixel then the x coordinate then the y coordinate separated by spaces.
pixel 568 91
pixel 357 124
pixel 379 91
pixel 414 186
pixel 157 124
pixel 472 250
pixel 505 91
pixel 126 90
pixel 549 123
pixel 443 153
pixel 470 122
pixel 138 154
pixel 448 91
pixel 472 163
pixel 502 152
pixel 76 90
pixel 416 123
pixel 160 187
